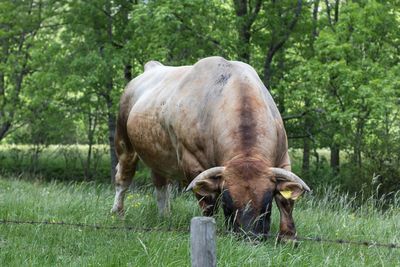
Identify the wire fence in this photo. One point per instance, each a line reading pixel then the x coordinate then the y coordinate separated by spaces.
pixel 169 229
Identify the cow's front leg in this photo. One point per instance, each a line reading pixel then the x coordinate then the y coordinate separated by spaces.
pixel 287 229
pixel 162 193
pixel 123 178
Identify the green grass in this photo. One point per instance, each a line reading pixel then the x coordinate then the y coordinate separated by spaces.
pixel 330 216
pixel 68 163
pixel 61 162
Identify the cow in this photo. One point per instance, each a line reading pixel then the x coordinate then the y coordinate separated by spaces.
pixel 215 127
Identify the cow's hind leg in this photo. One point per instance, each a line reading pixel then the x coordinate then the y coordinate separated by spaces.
pixel 162 193
pixel 125 171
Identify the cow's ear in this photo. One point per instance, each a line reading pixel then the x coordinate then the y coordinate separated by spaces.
pixel 208 186
pixel 289 185
pixel 207 183
pixel 290 190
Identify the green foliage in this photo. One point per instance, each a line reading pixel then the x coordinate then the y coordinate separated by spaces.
pixel 334 68
pixel 20 40
pixel 180 32
pixel 352 93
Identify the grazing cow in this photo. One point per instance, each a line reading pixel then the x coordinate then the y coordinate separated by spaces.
pixel 213 126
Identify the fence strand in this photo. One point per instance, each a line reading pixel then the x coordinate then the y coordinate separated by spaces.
pixel 151 229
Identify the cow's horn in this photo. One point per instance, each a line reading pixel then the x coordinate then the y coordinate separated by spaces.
pixel 205 174
pixel 288 175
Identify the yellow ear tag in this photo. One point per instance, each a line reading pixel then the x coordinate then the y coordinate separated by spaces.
pixel 286 194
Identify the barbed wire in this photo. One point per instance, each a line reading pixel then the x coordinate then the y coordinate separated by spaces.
pixel 182 230
pixel 95 226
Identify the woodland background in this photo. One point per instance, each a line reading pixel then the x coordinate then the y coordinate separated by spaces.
pixel 332 67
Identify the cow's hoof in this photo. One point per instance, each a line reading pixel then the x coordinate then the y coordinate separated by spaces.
pixel 164 213
pixel 117 211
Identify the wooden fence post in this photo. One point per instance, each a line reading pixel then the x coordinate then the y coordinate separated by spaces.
pixel 202 242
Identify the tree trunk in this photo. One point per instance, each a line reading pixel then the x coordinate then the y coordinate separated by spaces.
pixel 111 132
pixel 307 120
pixel 113 156
pixel 359 135
pixel 280 98
pixel 277 42
pixel 4 129
pixel 128 72
pixel 305 168
pixel 246 15
pixel 317 161
pixel 243 29
pixel 4 125
pixel 315 23
pixel 357 143
pixel 267 64
pixel 88 173
pixel 306 141
pixel 92 121
pixel 335 159
pixel 336 16
pixel 109 87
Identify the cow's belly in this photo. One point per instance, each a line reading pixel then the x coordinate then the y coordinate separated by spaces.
pixel 153 144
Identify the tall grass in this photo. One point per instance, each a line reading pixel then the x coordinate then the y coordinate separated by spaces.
pixel 61 163
pixel 330 215
pixel 70 163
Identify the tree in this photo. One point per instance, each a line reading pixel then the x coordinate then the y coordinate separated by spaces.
pixel 95 38
pixel 246 14
pixel 20 22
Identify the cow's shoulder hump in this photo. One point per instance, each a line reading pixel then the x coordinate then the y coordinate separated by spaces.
pixel 152 64
pixel 211 62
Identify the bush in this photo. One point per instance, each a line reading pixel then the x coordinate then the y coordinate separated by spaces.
pixel 63 163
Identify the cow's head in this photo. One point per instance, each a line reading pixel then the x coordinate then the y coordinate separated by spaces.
pixel 246 188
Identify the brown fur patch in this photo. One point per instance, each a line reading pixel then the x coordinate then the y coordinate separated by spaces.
pixel 248 122
pixel 247 167
pixel 158 180
pixel 247 180
pixel 122 142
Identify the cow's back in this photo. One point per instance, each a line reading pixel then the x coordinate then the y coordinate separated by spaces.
pixel 183 120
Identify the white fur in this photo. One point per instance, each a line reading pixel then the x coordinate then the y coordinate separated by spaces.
pixel 118 206
pixel 163 204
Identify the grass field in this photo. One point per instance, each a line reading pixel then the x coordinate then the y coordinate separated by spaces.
pixel 68 163
pixel 330 216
